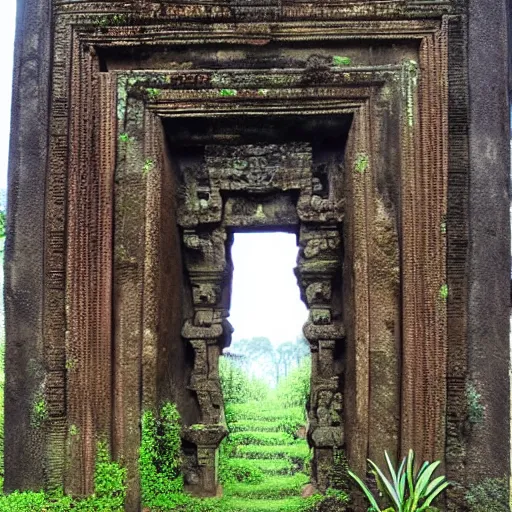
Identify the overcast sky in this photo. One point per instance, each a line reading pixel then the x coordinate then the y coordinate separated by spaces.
pixel 265 299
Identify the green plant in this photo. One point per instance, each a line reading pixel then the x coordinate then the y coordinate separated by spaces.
pixel 405 491
pixel 443 292
pixel 148 166
pixel 153 93
pixel 237 387
pixel 159 460
pixel 489 495
pixel 337 60
pixel 293 391
pixel 109 492
pixel 39 411
pixel 124 137
pixel 237 470
pixel 362 161
pixel 228 92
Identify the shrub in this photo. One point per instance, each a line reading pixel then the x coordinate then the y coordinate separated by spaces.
pixel 293 391
pixel 236 471
pixel 237 387
pixel 159 460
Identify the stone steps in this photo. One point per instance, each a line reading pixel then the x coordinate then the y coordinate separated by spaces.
pixel 260 440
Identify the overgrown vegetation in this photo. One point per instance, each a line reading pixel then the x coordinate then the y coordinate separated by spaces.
pixel 109 492
pixel 405 490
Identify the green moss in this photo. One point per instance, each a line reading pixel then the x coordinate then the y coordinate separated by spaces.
pixel 490 495
pixel 474 404
pixel 338 60
pixel 39 411
pixel 122 97
pixel 362 162
pixel 443 292
pixel 228 92
pixel 153 93
pixel 148 166
pixel 124 137
pixel 111 20
pixel 73 430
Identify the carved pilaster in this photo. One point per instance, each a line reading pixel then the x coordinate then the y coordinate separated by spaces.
pixel 318 271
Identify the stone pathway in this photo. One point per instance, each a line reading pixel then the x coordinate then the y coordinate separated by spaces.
pixel 262 436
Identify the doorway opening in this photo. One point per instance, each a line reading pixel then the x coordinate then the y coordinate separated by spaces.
pixel 265 376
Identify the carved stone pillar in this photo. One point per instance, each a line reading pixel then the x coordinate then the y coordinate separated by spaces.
pixel 318 271
pixel 207 332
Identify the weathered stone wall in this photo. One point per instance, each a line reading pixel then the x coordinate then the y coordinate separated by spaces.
pixel 104 290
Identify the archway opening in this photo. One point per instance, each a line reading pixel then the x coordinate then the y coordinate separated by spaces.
pixel 265 375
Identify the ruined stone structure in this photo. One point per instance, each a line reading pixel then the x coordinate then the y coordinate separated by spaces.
pixel 147 132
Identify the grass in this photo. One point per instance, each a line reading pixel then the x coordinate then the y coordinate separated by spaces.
pixel 296 452
pixel 274 488
pixel 251 425
pixel 271 466
pixel 264 505
pixel 261 438
pixel 255 411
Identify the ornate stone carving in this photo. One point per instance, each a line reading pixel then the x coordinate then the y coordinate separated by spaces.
pixel 265 185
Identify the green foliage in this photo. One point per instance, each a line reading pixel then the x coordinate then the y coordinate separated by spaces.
pixel 295 452
pixel 125 138
pixel 339 477
pixel 337 60
pixel 443 292
pixel 294 390
pixel 362 162
pixel 109 492
pixel 109 481
pixel 148 166
pixel 474 402
pixel 228 92
pixel 39 412
pixel 159 460
pixel 238 471
pixel 333 501
pixel 490 495
pixel 153 93
pixel 405 491
pixel 237 387
pixel 260 438
pixel 272 488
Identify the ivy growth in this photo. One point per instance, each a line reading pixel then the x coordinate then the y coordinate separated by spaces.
pixel 159 460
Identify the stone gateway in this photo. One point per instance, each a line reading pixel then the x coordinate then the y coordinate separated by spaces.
pixel 146 133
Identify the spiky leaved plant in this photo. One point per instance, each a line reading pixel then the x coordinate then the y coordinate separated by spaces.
pixel 405 491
